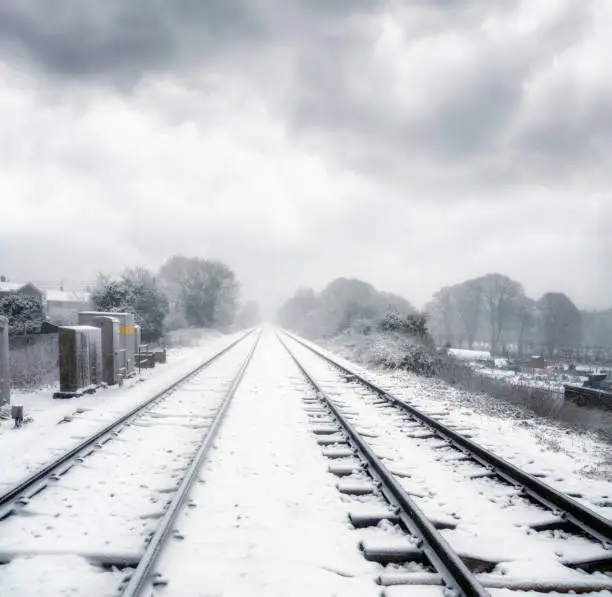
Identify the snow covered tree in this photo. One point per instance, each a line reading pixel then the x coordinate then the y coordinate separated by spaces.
pixel 148 302
pixel 205 292
pixel 136 292
pixel 25 313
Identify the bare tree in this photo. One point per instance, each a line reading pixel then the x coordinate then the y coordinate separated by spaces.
pixel 526 318
pixel 560 322
pixel 441 311
pixel 468 298
pixel 501 296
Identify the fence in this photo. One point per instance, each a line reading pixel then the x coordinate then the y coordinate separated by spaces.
pixel 546 402
pixel 34 360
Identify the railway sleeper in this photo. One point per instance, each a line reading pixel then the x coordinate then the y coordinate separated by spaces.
pixel 335 452
pixel 346 469
pixel 394 550
pixel 337 439
pixel 395 581
pixel 601 563
pixel 325 429
pixel 554 523
pixel 372 518
pixel 104 560
pixel 357 487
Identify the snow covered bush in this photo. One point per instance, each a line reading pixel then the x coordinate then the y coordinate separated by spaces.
pixel 24 312
pixel 395 342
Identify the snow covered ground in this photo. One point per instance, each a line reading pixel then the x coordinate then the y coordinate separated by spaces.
pixel 491 518
pixel 507 429
pixel 105 507
pixel 266 518
pixel 58 425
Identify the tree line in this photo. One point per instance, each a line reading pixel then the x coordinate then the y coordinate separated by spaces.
pixel 337 307
pixel 185 292
pixel 495 310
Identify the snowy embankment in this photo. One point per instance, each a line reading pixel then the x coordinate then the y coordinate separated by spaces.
pixel 507 429
pixel 58 425
pixel 490 519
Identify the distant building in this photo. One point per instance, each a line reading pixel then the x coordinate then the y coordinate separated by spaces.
pixel 25 288
pixel 63 306
pixel 536 362
pixel 59 306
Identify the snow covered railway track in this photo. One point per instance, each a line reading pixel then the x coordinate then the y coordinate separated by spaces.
pixel 105 507
pixel 508 529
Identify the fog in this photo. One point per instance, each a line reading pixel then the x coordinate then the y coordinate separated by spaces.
pixel 410 145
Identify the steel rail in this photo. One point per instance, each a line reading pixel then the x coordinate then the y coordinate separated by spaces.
pixel 142 573
pixel 568 509
pixel 445 560
pixel 38 481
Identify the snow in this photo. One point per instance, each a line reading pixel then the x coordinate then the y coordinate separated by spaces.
pixel 61 424
pixel 470 355
pixel 67 296
pixel 511 432
pixel 55 576
pixel 107 505
pixel 268 519
pixel 266 516
pixel 491 518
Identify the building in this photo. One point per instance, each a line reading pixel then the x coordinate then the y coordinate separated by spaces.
pixel 59 306
pixel 63 306
pixel 26 288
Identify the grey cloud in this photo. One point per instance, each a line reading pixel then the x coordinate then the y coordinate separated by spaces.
pixel 116 40
pixel 336 99
pixel 469 119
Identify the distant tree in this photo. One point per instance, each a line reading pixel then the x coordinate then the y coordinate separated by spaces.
pixel 206 292
pixel 501 296
pixel 468 301
pixel 526 319
pixel 560 322
pixel 442 315
pixel 597 329
pixel 248 316
pixel 296 312
pixel 353 312
pixel 25 313
pixel 137 293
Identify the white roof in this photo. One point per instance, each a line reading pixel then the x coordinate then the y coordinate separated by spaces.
pixel 12 286
pixel 68 296
pixel 8 286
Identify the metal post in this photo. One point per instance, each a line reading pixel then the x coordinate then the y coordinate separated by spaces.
pixel 5 370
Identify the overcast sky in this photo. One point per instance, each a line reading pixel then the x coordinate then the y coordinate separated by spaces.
pixel 410 144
